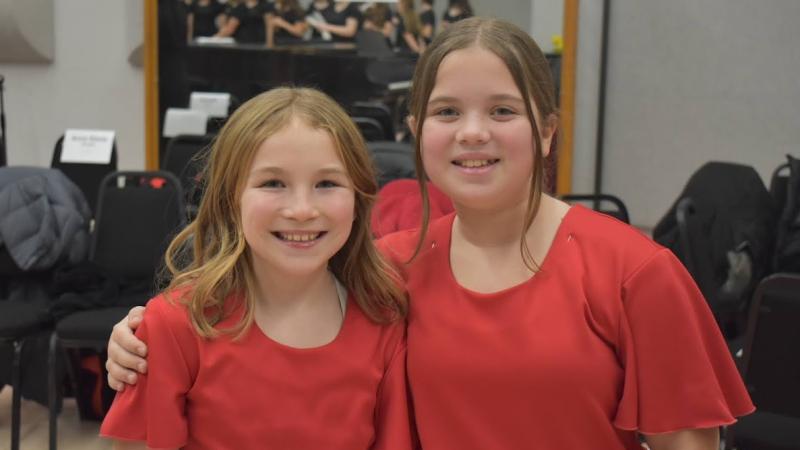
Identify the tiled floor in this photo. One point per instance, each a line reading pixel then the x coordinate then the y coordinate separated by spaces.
pixel 73 434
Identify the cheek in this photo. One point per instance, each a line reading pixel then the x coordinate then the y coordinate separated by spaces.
pixel 341 207
pixel 435 145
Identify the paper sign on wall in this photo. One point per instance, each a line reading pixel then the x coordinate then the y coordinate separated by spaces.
pixel 215 104
pixel 87 146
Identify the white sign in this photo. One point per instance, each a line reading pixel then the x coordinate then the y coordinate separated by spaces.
pixel 215 104
pixel 87 146
pixel 184 121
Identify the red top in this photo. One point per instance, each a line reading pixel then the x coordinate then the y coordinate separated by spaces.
pixel 610 337
pixel 256 393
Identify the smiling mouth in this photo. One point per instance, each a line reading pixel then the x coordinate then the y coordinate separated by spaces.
pixel 475 163
pixel 299 237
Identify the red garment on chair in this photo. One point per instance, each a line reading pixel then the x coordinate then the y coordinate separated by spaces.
pixel 399 206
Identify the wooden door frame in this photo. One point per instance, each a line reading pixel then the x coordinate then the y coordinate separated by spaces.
pixel 566 124
pixel 151 124
pixel 566 102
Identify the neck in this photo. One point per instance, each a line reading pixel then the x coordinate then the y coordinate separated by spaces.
pixel 500 228
pixel 282 292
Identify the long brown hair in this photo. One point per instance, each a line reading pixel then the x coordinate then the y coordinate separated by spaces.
pixel 209 261
pixel 531 74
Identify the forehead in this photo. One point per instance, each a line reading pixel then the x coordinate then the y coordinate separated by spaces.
pixel 474 70
pixel 298 146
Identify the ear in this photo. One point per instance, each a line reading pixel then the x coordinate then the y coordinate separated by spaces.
pixel 548 130
pixel 412 125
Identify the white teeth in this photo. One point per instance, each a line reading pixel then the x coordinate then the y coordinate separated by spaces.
pixel 299 237
pixel 472 163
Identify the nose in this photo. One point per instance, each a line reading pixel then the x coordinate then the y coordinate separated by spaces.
pixel 473 131
pixel 301 206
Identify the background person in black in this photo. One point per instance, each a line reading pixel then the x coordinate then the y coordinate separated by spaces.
pixel 427 19
pixel 408 25
pixel 378 17
pixel 287 24
pixel 204 18
pixel 342 20
pixel 456 10
pixel 247 22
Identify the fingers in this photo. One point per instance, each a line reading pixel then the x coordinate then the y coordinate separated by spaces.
pixel 135 316
pixel 116 375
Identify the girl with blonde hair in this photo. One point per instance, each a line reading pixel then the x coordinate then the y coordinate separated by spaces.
pixel 282 326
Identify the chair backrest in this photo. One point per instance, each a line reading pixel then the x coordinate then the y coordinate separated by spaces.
pixel 86 176
pixel 604 203
pixel 372 44
pixel 137 215
pixel 771 366
pixel 370 128
pixel 377 111
pixel 393 160
pixel 185 159
pixel 779 184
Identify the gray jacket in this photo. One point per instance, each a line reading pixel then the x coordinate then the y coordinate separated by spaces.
pixel 44 218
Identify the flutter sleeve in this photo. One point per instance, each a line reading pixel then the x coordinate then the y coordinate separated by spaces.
pixel 153 410
pixel 679 373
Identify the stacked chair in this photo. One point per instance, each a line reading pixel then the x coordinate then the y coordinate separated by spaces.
pixel 86 176
pixel 771 368
pixel 185 158
pixel 137 215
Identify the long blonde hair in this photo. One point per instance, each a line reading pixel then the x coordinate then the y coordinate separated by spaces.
pixel 208 260
pixel 531 74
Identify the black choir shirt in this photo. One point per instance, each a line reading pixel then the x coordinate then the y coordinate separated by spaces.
pixel 428 18
pixel 252 27
pixel 446 17
pixel 205 17
pixel 292 17
pixel 336 17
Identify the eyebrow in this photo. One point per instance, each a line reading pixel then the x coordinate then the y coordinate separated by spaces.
pixel 495 97
pixel 329 170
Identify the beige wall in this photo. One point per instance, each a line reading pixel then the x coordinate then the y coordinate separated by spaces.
pixel 89 84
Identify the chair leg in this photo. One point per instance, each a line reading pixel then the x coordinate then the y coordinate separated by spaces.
pixel 16 386
pixel 52 391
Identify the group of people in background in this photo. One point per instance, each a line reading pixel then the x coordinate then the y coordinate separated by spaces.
pixel 279 22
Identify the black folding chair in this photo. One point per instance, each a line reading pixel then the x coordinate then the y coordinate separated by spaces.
pixel 185 158
pixel 370 128
pixel 604 203
pixel 392 160
pixel 771 368
pixel 86 176
pixel 20 319
pixel 375 110
pixel 138 213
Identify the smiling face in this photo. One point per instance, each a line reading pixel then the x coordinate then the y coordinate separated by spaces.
pixel 298 202
pixel 477 141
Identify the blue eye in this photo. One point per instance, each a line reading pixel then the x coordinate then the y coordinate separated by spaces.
pixel 503 111
pixel 327 184
pixel 447 112
pixel 272 184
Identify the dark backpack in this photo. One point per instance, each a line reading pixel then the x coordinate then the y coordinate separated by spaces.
pixel 787 248
pixel 722 228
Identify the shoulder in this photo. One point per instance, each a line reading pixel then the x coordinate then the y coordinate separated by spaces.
pixel 167 311
pixel 606 241
pixel 400 245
